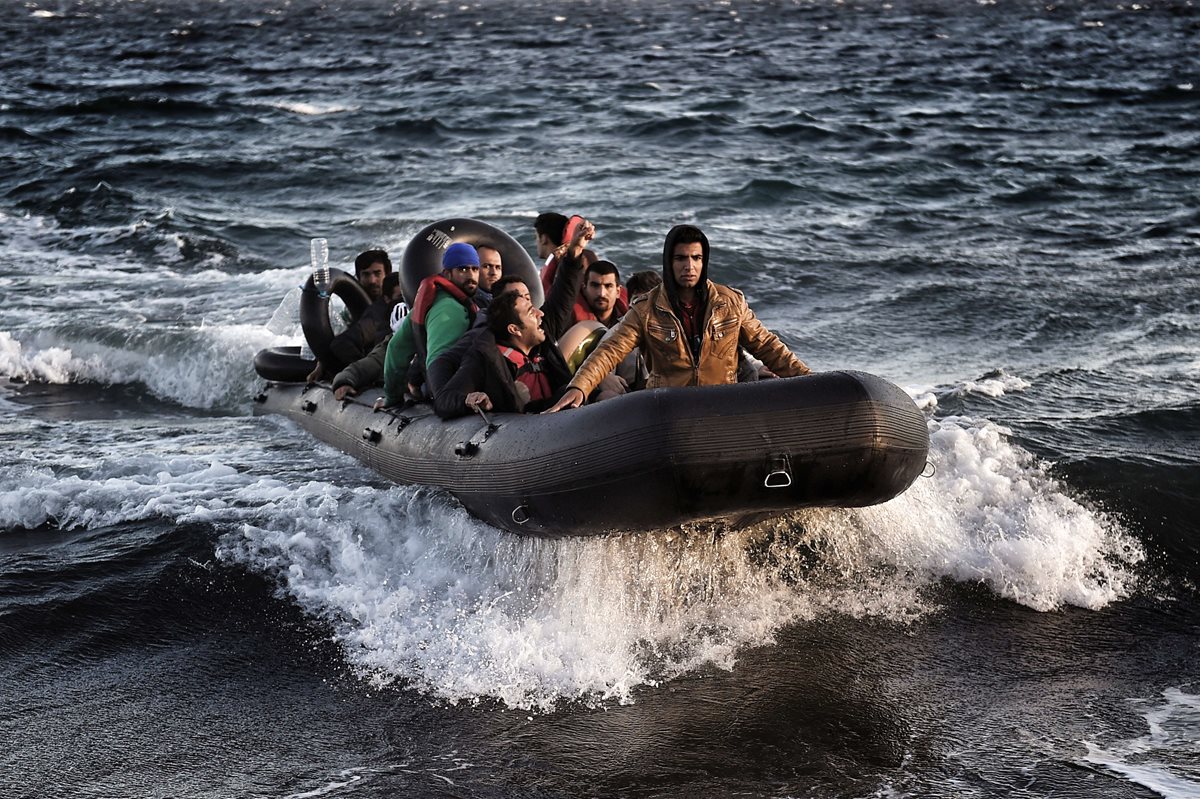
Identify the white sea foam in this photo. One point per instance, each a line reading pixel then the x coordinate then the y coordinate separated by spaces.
pixel 1151 760
pixel 310 109
pixel 190 339
pixel 135 488
pixel 31 235
pixel 991 513
pixel 925 397
pixel 188 345
pixel 418 592
pixel 202 367
pixel 50 365
pixel 994 385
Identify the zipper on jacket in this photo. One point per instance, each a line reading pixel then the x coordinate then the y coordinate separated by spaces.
pixel 687 347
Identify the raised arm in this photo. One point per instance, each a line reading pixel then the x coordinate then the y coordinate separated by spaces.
pixel 568 278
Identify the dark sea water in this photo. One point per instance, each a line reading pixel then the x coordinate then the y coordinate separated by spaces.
pixel 993 204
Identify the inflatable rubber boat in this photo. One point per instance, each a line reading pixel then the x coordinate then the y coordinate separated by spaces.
pixel 647 460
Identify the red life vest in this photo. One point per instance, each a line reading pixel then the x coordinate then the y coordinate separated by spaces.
pixel 583 312
pixel 529 372
pixel 426 295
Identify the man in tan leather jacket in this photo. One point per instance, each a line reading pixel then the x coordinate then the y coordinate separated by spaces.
pixel 689 329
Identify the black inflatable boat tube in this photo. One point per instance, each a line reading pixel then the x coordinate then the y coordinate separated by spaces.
pixel 650 459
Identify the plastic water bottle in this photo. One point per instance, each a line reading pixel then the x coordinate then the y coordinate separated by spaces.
pixel 319 256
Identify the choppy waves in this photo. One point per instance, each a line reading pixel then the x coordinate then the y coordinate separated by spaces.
pixel 1003 230
pixel 187 330
pixel 188 367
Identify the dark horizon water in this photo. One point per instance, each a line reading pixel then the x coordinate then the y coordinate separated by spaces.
pixel 992 204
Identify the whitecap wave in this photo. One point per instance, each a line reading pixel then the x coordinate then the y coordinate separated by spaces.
pixel 311 109
pixel 205 367
pixel 133 488
pixel 992 513
pixel 996 384
pixel 1152 760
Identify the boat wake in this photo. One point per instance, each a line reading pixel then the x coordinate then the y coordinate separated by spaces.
pixel 419 594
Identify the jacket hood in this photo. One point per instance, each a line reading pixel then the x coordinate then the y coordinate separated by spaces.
pixel 672 288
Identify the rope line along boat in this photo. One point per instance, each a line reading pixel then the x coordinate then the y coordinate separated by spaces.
pixel 648 460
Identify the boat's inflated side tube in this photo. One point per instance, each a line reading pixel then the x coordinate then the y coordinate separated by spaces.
pixel 283 365
pixel 314 310
pixel 423 256
pixel 832 439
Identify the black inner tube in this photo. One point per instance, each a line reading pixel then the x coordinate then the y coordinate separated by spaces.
pixel 283 364
pixel 423 256
pixel 314 310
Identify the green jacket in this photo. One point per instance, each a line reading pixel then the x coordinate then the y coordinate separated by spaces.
pixel 446 321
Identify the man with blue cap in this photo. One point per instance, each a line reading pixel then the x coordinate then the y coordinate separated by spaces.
pixel 442 311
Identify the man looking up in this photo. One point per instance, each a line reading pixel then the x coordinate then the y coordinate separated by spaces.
pixel 510 369
pixel 442 311
pixel 689 329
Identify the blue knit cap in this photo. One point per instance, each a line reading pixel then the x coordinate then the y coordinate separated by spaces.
pixel 459 254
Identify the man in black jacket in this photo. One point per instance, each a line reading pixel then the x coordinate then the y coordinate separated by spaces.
pixel 512 368
pixel 373 270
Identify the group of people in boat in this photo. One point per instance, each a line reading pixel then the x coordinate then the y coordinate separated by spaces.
pixel 472 338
